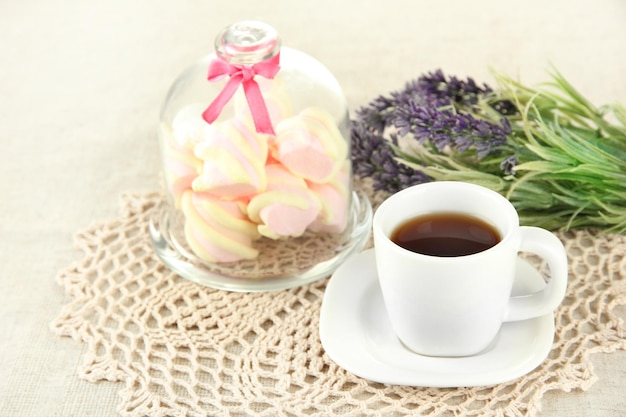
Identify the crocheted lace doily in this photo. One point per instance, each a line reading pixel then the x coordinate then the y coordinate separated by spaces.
pixel 181 349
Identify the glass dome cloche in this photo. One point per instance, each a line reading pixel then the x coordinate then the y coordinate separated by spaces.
pixel 255 148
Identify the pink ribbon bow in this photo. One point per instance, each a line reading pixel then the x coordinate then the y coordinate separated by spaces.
pixel 244 75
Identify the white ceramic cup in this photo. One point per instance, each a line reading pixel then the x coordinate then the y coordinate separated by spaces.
pixel 455 306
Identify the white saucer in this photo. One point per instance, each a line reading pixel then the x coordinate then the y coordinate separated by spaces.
pixel 356 334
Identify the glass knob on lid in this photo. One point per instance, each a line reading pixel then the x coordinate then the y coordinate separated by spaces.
pixel 247 43
pixel 256 168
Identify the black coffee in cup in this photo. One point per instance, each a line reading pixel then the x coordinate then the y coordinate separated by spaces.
pixel 445 235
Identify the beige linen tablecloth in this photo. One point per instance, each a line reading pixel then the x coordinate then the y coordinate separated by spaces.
pixel 81 84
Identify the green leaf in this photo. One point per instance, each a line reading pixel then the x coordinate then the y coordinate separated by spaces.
pixel 540 166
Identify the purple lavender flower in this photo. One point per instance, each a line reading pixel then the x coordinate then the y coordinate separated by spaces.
pixel 436 90
pixel 437 111
pixel 446 128
pixel 372 156
pixel 433 90
pixel 379 114
pixel 508 165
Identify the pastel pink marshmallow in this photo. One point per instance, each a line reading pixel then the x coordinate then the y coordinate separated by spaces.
pixel 277 101
pixel 334 197
pixel 286 208
pixel 188 125
pixel 217 230
pixel 180 167
pixel 233 160
pixel 310 145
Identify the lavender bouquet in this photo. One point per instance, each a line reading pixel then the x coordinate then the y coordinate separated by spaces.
pixel 559 159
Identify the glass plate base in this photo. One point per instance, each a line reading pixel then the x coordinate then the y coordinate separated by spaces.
pixel 281 264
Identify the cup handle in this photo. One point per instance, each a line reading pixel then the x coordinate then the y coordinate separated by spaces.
pixel 545 244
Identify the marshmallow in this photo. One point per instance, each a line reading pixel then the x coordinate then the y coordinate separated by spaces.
pixel 188 125
pixel 310 145
pixel 233 160
pixel 286 208
pixel 275 96
pixel 217 230
pixel 334 197
pixel 180 166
